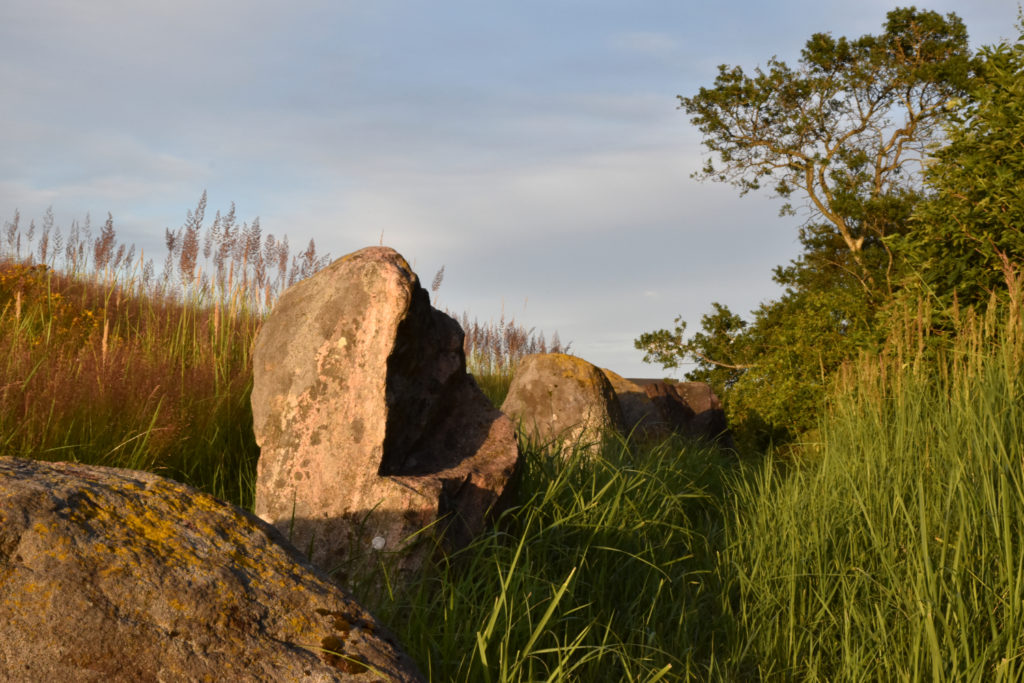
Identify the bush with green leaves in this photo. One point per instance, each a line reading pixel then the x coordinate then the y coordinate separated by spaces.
pixel 973 222
pixel 848 131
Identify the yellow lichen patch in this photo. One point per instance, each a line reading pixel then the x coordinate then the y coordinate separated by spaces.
pixel 334 655
pixel 338 620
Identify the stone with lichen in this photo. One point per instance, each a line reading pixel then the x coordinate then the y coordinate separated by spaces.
pixel 118 575
pixel 561 399
pixel 375 443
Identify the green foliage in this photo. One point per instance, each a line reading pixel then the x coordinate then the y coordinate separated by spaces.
pixel 848 131
pixel 975 215
pixel 773 372
pixel 602 572
pixel 889 549
pixel 892 549
pixel 845 127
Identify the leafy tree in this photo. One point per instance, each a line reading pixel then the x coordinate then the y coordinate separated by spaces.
pixel 849 128
pixel 973 223
pixel 773 370
pixel 849 131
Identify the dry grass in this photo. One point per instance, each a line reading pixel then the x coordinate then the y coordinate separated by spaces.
pixel 103 362
pixel 494 349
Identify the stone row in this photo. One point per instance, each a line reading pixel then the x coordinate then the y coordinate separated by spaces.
pixel 378 449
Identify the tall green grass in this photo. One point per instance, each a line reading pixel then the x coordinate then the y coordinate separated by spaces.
pixel 888 548
pixel 603 572
pixel 895 551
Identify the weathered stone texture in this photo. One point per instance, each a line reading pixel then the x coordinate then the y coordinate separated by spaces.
pixel 674 410
pixel 641 417
pixel 370 428
pixel 117 575
pixel 708 415
pixel 561 398
pixel 688 408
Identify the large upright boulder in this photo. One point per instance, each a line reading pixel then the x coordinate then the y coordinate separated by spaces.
pixel 556 397
pixel 370 430
pixel 116 575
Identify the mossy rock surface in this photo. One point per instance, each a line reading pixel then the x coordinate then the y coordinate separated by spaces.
pixel 558 398
pixel 119 575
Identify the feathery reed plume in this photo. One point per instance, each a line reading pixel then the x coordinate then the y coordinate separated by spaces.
pixel 189 236
pixel 44 235
pixel 11 230
pixel 282 264
pixel 58 244
pixel 436 284
pixel 103 247
pixel 211 236
pixel 171 240
pixel 30 235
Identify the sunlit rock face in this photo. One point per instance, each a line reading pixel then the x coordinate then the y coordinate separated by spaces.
pixel 560 398
pixel 370 429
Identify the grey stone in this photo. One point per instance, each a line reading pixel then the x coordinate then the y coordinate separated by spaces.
pixel 556 397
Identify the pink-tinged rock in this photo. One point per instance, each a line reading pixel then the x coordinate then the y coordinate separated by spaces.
pixel 370 429
pixel 560 398
pixel 117 575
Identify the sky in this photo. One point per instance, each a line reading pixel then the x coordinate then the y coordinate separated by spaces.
pixel 534 149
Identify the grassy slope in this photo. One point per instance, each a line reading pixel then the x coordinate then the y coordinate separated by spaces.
pixel 100 373
pixel 890 549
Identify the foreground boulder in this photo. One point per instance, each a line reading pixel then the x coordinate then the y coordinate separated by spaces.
pixel 370 429
pixel 556 397
pixel 117 575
